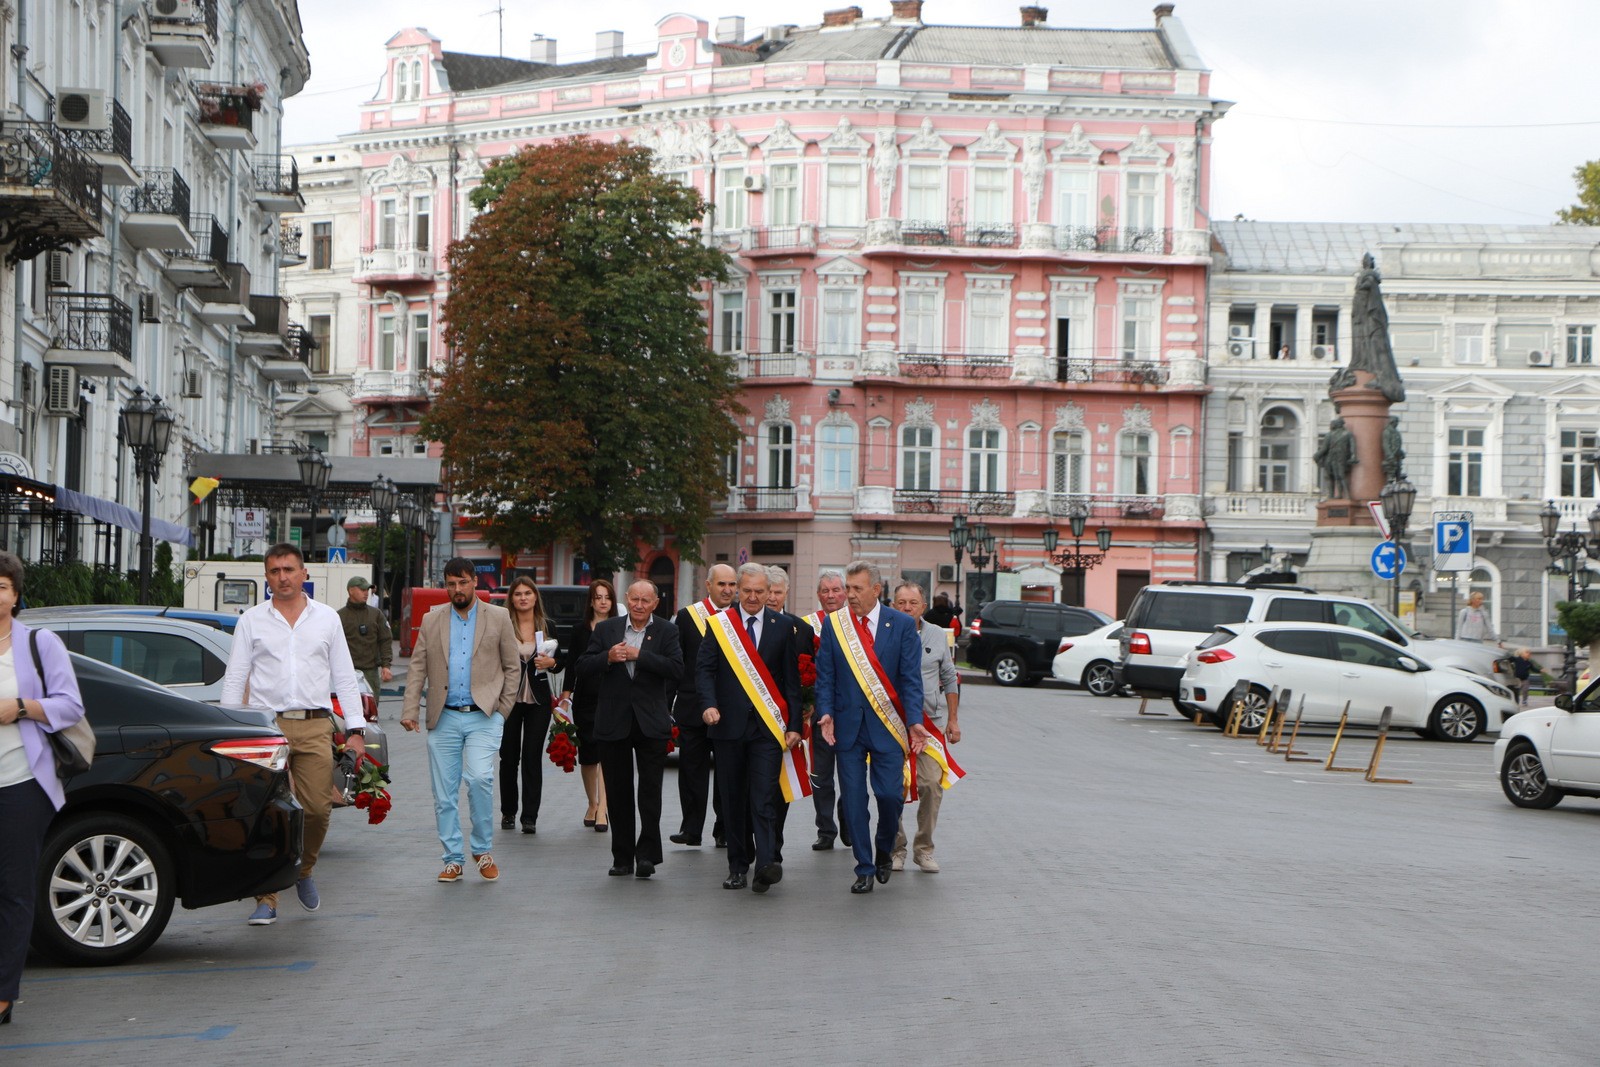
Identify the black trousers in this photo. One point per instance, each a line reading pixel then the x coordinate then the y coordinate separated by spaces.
pixel 523 742
pixel 617 759
pixel 824 796
pixel 747 779
pixel 25 814
pixel 695 768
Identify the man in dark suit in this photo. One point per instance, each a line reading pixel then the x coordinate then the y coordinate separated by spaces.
pixel 744 736
pixel 694 747
pixel 638 664
pixel 824 797
pixel 805 641
pixel 869 700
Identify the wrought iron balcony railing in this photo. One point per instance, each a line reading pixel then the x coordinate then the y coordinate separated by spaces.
pixel 954 365
pixel 1124 506
pixel 163 192
pixel 766 497
pixel 952 502
pixel 92 322
pixel 210 240
pixel 773 364
pixel 1113 239
pixel 958 233
pixel 36 158
pixel 116 139
pixel 801 237
pixel 226 106
pixel 1112 371
pixel 278 175
pixel 289 242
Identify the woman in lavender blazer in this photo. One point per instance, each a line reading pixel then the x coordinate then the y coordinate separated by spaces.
pixel 30 791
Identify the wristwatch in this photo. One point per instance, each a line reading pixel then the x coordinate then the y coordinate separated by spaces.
pixel 355 733
pixel 22 711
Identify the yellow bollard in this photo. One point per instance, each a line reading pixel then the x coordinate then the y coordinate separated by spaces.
pixel 1338 735
pixel 1377 753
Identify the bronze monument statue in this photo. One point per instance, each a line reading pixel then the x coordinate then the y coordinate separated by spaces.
pixel 1370 348
pixel 1334 458
pixel 1393 455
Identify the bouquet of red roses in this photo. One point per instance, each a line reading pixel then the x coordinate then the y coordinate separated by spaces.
pixel 808 690
pixel 672 742
pixel 371 795
pixel 563 746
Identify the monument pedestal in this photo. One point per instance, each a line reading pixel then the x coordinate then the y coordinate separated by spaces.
pixel 1340 562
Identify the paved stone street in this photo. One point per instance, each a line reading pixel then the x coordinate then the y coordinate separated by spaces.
pixel 1116 890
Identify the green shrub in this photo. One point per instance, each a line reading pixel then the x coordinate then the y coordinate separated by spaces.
pixel 1580 619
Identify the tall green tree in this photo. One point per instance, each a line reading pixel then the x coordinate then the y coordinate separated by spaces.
pixel 1586 212
pixel 582 402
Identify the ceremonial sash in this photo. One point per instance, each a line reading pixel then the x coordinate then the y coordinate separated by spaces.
pixel 757 682
pixel 950 771
pixel 871 678
pixel 816 620
pixel 700 612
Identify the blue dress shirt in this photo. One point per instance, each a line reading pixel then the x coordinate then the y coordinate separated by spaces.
pixel 462 632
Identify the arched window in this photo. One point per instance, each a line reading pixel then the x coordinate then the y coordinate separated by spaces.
pixel 416 79
pixel 917 457
pixel 1278 455
pixel 836 457
pixel 402 81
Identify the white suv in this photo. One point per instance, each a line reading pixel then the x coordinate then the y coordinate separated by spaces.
pixel 1165 622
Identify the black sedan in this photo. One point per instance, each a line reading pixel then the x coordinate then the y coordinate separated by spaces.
pixel 186 802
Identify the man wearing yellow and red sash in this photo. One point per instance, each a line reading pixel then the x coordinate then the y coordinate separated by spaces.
pixel 694 748
pixel 869 703
pixel 941 697
pixel 749 686
pixel 830 595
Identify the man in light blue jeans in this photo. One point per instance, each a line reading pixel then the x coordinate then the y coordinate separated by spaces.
pixel 466 657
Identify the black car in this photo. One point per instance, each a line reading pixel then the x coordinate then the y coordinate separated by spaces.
pixel 1016 640
pixel 185 802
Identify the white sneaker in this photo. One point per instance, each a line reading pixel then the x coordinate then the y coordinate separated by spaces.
pixel 897 863
pixel 928 864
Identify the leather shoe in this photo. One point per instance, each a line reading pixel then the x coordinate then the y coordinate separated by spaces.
pixel 767 876
pixel 508 824
pixel 735 881
pixel 862 884
pixel 720 841
pixel 823 843
pixel 528 828
pixel 885 865
pixel 644 869
pixel 684 839
pixel 620 871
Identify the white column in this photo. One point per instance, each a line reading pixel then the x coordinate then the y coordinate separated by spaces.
pixel 1263 331
pixel 1344 344
pixel 1302 332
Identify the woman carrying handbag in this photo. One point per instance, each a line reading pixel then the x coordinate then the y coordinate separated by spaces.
pixel 34 703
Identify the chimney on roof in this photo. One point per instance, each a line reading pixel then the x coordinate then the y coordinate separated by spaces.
pixel 730 30
pixel 1035 16
pixel 543 49
pixel 608 44
pixel 1163 11
pixel 844 16
pixel 906 10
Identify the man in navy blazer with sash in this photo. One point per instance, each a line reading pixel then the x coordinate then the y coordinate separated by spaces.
pixel 748 754
pixel 846 717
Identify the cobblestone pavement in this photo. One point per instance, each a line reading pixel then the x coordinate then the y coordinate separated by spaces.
pixel 1115 890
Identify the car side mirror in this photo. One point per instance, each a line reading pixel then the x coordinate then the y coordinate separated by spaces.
pixel 1409 664
pixel 1564 701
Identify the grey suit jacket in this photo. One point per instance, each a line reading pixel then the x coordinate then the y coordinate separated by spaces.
pixel 496 669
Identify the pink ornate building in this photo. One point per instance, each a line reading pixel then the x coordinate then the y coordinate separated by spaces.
pixel 970 275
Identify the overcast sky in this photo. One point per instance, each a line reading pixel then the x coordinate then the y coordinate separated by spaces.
pixel 1344 110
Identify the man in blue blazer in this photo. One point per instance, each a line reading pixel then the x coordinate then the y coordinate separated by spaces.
pixel 850 724
pixel 749 756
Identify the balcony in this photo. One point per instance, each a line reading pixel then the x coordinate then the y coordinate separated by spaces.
pixel 953 365
pixel 183 33
pixel 289 243
pixel 774 364
pixel 111 145
pixel 277 180
pixel 158 211
pixel 957 233
pixel 49 191
pixel 1110 239
pixel 202 266
pixel 1129 506
pixel 768 499
pixel 268 332
pixel 1111 372
pixel 393 263
pixel 952 502
pixel 799 240
pixel 92 333
pixel 1280 507
pixel 227 304
pixel 228 115
pixel 384 386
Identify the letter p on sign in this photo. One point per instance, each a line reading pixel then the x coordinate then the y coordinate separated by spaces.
pixel 1452 541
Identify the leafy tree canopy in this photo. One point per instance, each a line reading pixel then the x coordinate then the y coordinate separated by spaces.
pixel 583 403
pixel 1586 212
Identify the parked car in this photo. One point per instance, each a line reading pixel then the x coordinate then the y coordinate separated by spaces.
pixel 218 620
pixel 185 803
pixel 1015 640
pixel 1547 754
pixel 1089 660
pixel 1328 666
pixel 1166 621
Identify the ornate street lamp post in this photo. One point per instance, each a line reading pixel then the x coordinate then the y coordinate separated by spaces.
pixel 383 497
pixel 314 471
pixel 1398 497
pixel 408 519
pixel 958 542
pixel 1571 549
pixel 147 430
pixel 1077 561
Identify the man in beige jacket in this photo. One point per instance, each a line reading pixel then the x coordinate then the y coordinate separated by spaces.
pixel 466 656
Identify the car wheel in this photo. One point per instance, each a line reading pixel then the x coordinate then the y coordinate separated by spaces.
pixel 1008 669
pixel 1099 679
pixel 1522 777
pixel 1456 718
pixel 1256 702
pixel 106 889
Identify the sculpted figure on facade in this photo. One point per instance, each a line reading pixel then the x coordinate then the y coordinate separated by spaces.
pixel 1033 168
pixel 1370 347
pixel 1393 454
pixel 1334 458
pixel 886 168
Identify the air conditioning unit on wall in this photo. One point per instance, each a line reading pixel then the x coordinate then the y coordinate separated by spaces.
pixel 1322 352
pixel 947 572
pixel 1537 358
pixel 176 10
pixel 1274 421
pixel 755 183
pixel 1241 349
pixel 1239 333
pixel 191 384
pixel 61 390
pixel 82 109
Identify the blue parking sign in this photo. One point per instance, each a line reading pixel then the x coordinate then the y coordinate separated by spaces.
pixel 1452 541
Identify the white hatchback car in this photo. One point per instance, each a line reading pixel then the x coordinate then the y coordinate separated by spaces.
pixel 1546 754
pixel 1089 660
pixel 1327 666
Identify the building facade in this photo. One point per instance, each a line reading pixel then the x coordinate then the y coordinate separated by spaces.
pixel 969 276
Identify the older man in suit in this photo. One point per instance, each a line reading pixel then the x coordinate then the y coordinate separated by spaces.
pixel 749 688
pixel 466 657
pixel 638 662
pixel 869 701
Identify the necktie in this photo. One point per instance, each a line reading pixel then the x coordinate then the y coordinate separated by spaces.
pixel 864 630
pixel 750 622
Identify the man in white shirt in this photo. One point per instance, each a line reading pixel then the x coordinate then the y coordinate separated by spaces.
pixel 288 655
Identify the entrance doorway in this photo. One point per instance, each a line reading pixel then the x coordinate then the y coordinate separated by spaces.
pixel 1128 585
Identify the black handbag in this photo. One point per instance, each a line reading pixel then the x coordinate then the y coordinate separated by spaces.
pixel 73 746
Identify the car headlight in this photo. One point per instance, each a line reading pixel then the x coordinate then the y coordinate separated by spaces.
pixel 1498 690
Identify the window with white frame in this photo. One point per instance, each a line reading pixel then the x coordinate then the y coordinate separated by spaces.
pixel 1577 463
pixel 388 341
pixel 983 460
pixel 1464 461
pixel 1138 328
pixel 421 223
pixel 1469 342
pixel 1277 452
pixel 420 335
pixel 916 457
pixel 783 194
pixel 1133 465
pixel 846 205
pixel 386 447
pixel 780 455
pixel 1075 200
pixel 1580 345
pixel 388 223
pixel 730 321
pixel 780 320
pixel 1140 207
pixel 836 457
pixel 731 199
pixel 987 312
pixel 841 322
pixel 1238 462
pixel 402 81
pixel 1069 463
pixel 417 86
pixel 991 189
pixel 925 193
pixel 919 320
pixel 321 327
